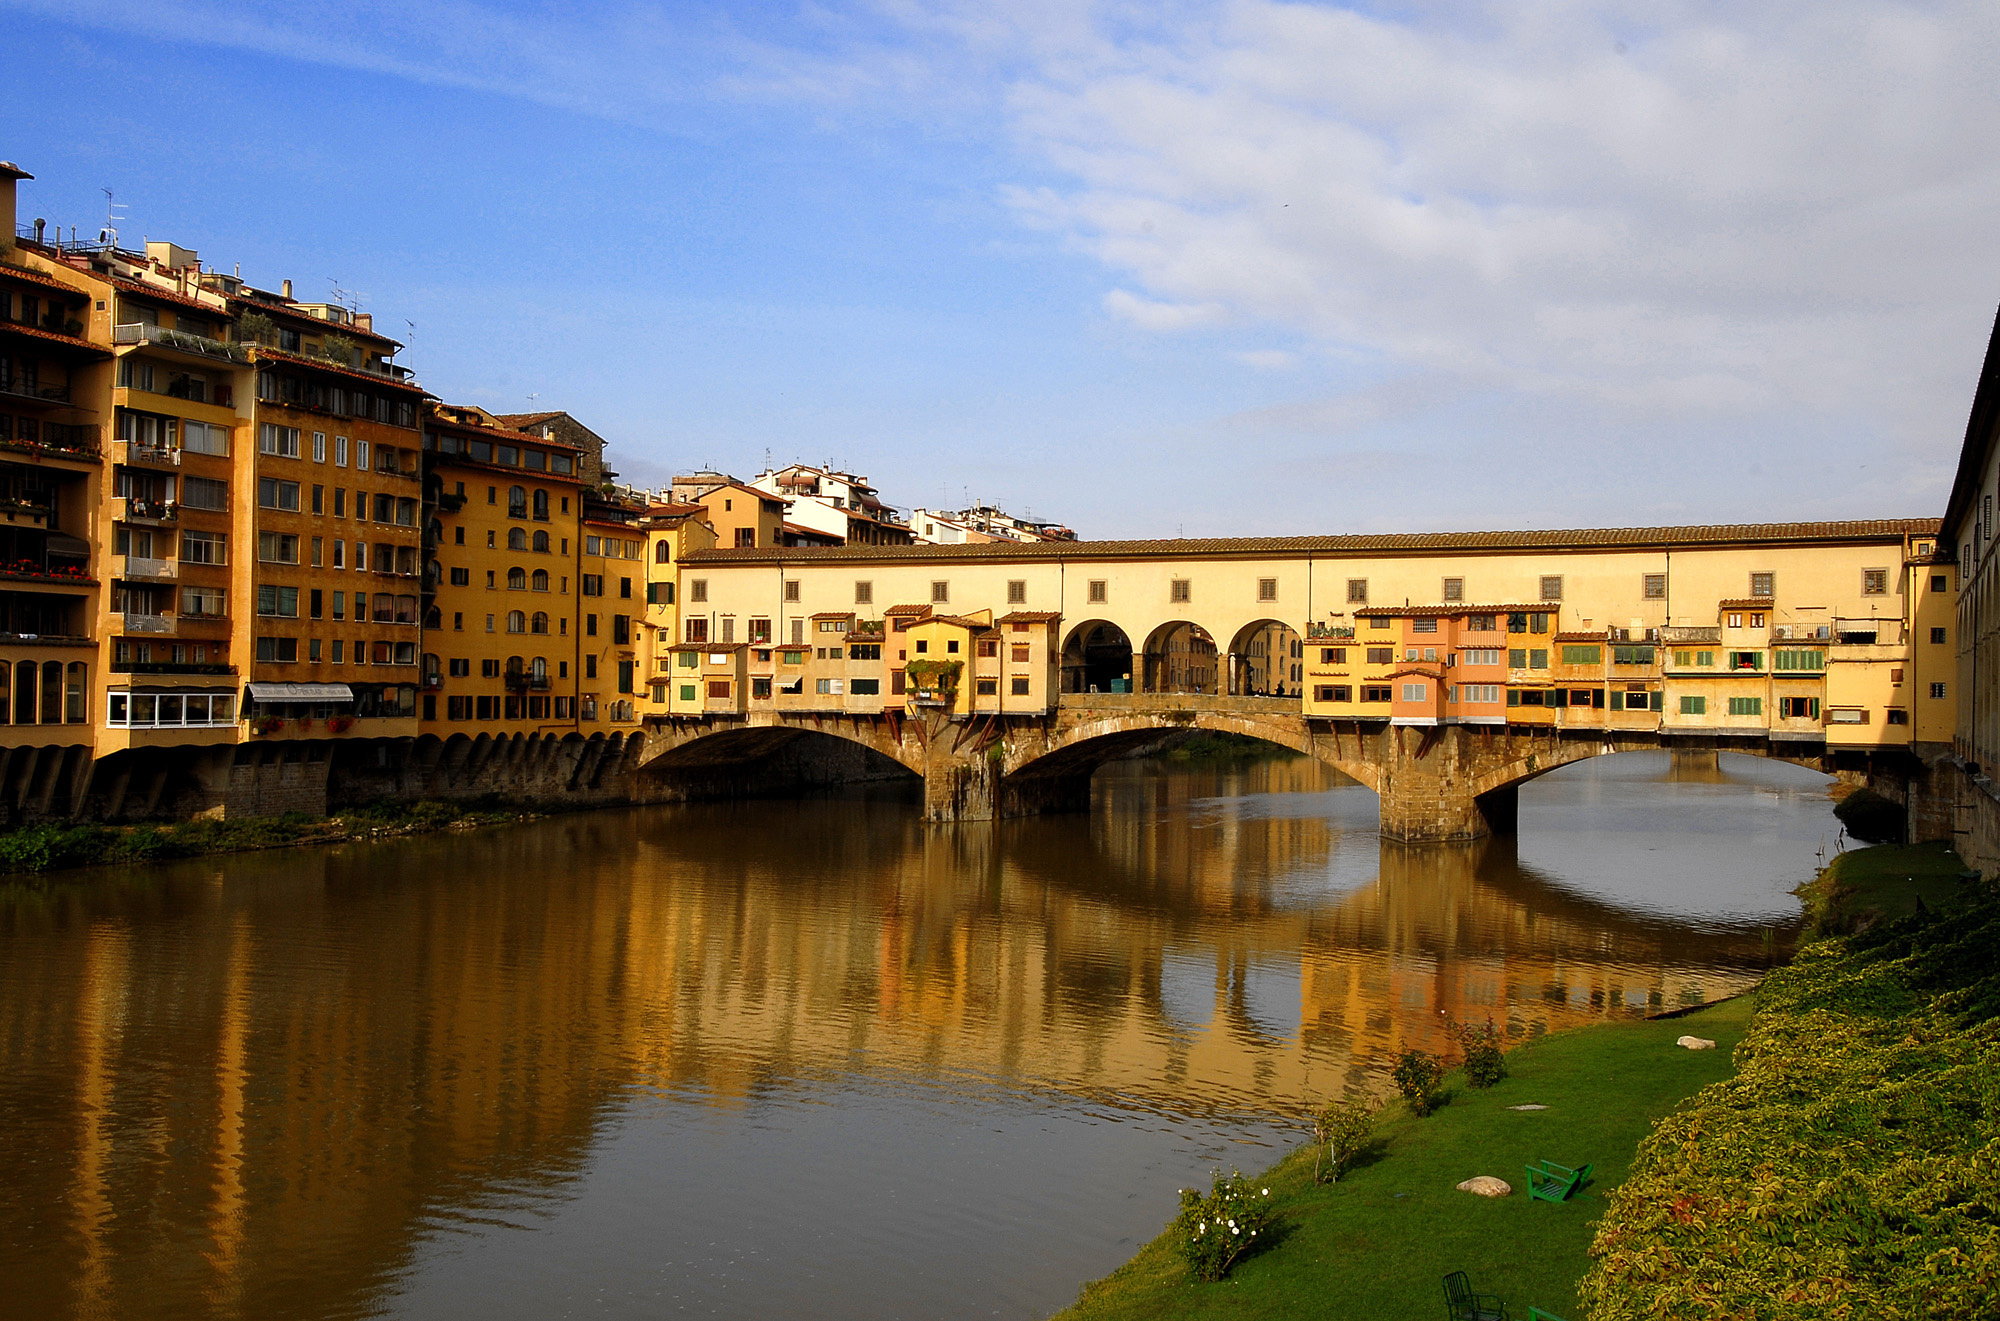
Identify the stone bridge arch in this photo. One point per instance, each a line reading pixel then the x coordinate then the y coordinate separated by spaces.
pixel 769 755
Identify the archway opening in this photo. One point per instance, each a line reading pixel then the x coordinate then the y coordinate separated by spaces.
pixel 1266 659
pixel 1097 659
pixel 1181 658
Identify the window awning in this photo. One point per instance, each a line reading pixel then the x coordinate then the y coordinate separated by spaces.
pixel 62 543
pixel 301 692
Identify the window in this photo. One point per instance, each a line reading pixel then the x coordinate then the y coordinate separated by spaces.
pixel 1763 584
pixel 1631 655
pixel 1654 587
pixel 1481 656
pixel 277 548
pixel 1694 706
pixel 1874 582
pixel 541 506
pixel 204 548
pixel 203 602
pixel 1552 587
pixel 592 584
pixel 1746 660
pixel 1267 589
pixel 461 577
pixel 538 623
pixel 275 494
pixel 791 592
pixel 1357 592
pixel 829 687
pixel 538 581
pixel 277 651
pixel 1937 691
pixel 1423 626
pixel 1538 658
pixel 1180 591
pixel 1799 708
pixel 864 594
pixel 1798 660
pixel 1940 583
pixel 361 453
pixel 1371 692
pixel 1574 655
pixel 1482 623
pixel 517 622
pixel 1454 589
pixel 1381 656
pixel 1746 706
pixel 986 687
pixel 517 502
pixel 281 441
pixel 205 493
pixel 1488 693
pixel 1415 692
pixel 697 589
pixel 1097 591
pixel 204 438
pixel 1847 716
pixel 1937 635
pixel 517 580
pixel 279 601
pixel 940 593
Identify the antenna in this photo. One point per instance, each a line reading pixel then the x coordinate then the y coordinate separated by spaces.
pixel 109 234
pixel 342 296
pixel 531 400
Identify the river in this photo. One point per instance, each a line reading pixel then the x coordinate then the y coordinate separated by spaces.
pixel 781 1059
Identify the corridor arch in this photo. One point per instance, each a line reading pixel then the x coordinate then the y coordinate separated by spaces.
pixel 1096 656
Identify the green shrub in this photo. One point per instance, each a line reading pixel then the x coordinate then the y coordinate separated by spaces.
pixel 1340 1132
pixel 1417 1075
pixel 1851 1168
pixel 1211 1232
pixel 1485 1064
pixel 51 846
pixel 1870 817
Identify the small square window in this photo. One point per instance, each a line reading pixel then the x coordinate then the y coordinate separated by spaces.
pixel 1180 591
pixel 1763 584
pixel 1874 582
pixel 1454 589
pixel 864 593
pixel 1267 589
pixel 1017 591
pixel 1552 587
pixel 1937 635
pixel 1357 591
pixel 1656 587
pixel 940 593
pixel 791 590
pixel 1099 591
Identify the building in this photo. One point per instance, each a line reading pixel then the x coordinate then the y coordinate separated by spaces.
pixel 742 516
pixel 1967 545
pixel 834 504
pixel 981 523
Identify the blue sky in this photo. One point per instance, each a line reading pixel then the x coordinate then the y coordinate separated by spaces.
pixel 1238 268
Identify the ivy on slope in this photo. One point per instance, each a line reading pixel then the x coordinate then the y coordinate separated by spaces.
pixel 1851 1168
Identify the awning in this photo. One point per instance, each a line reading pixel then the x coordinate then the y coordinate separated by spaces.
pixel 62 543
pixel 301 692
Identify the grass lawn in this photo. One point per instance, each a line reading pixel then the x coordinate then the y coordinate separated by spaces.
pixel 1378 1243
pixel 1885 881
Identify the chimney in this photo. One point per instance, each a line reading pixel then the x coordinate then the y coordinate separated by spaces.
pixel 10 174
pixel 288 291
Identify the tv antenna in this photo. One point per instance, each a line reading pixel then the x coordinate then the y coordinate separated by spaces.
pixel 342 296
pixel 109 234
pixel 531 400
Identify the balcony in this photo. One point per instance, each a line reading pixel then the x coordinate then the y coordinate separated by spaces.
pixel 27 571
pixel 519 681
pixel 61 440
pixel 43 640
pixel 1802 633
pixel 148 623
pixel 181 341
pixel 19 391
pixel 127 509
pixel 139 566
pixel 20 512
pixel 171 667
pixel 1688 637
pixel 151 456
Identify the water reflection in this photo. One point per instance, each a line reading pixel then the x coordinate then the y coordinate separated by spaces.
pixel 512 1069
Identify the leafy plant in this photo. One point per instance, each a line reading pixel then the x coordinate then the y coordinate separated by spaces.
pixel 1339 1133
pixel 1870 817
pixel 1417 1075
pixel 338 348
pixel 940 677
pixel 255 328
pixel 1211 1232
pixel 1485 1064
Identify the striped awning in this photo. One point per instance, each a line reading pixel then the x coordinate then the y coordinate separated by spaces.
pixel 301 692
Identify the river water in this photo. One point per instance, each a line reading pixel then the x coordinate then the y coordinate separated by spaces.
pixel 798 1058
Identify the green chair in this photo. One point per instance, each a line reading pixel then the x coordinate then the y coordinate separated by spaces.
pixel 1554 1183
pixel 1464 1305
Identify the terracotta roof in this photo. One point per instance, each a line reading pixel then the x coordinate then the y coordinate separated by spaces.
pixel 49 281
pixel 1442 611
pixel 833 614
pixel 386 382
pixel 266 302
pixel 960 621
pixel 1441 543
pixel 55 337
pixel 716 647
pixel 527 419
pixel 1748 603
pixel 669 509
pixel 907 610
pixel 1029 617
pixel 164 295
pixel 484 432
pixel 1598 636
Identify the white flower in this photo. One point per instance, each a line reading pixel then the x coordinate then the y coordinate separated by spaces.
pixel 1233 1229
pixel 1267 1192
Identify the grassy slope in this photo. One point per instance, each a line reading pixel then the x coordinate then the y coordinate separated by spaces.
pixel 1378 1243
pixel 1884 881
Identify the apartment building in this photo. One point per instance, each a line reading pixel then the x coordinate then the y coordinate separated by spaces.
pixel 834 505
pixel 502 532
pixel 612 570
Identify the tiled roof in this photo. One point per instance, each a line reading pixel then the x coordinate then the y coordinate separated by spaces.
pixel 1747 603
pixel 526 419
pixel 907 610
pixel 386 382
pixel 834 614
pixel 1438 543
pixel 1029 617
pixel 1443 611
pixel 55 337
pixel 22 273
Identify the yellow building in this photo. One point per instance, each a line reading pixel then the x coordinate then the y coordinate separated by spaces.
pixel 501 640
pixel 612 568
pixel 671 531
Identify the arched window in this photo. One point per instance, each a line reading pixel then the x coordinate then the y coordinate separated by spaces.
pixel 24 693
pixel 663 551
pixel 516 539
pixel 517 502
pixel 6 708
pixel 542 542
pixel 513 665
pixel 540 668
pixel 538 624
pixel 517 580
pixel 516 622
pixel 432 669
pixel 542 506
pixel 437 529
pixel 540 581
pixel 52 692
pixel 434 618
pixel 74 710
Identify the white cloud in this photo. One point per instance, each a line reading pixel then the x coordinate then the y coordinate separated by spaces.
pixel 1150 314
pixel 1270 360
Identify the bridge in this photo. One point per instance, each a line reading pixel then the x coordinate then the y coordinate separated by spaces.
pixel 1435 783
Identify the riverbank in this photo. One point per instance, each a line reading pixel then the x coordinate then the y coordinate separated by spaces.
pixel 30 854
pixel 1379 1242
pixel 1862 887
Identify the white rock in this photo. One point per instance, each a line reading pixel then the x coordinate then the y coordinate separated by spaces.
pixel 1485 1185
pixel 1696 1043
pixel 1527 1107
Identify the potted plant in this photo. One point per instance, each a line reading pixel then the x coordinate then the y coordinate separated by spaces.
pixel 268 724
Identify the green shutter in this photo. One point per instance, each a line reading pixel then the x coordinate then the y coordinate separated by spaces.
pixel 687 692
pixel 1617 699
pixel 1659 701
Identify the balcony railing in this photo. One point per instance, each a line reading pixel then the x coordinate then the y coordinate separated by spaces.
pixel 41 394
pixel 1690 636
pixel 172 667
pixel 139 566
pixel 157 456
pixel 521 681
pixel 16 510
pixel 133 510
pixel 139 333
pixel 135 623
pixel 43 640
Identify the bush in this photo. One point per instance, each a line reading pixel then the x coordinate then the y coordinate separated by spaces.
pixel 1847 1170
pixel 48 847
pixel 1870 817
pixel 1211 1232
pixel 1484 1062
pixel 1418 1073
pixel 1342 1129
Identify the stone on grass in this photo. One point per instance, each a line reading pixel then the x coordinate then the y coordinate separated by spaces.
pixel 1527 1107
pixel 1696 1043
pixel 1485 1185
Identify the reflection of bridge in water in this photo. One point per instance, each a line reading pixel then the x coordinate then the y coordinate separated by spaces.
pixel 354 1049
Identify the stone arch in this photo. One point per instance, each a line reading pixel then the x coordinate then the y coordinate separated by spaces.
pixel 1096 655
pixel 1080 748
pixel 1266 655
pixel 1181 657
pixel 681 746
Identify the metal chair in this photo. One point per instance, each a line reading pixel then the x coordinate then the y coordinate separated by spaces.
pixel 1465 1305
